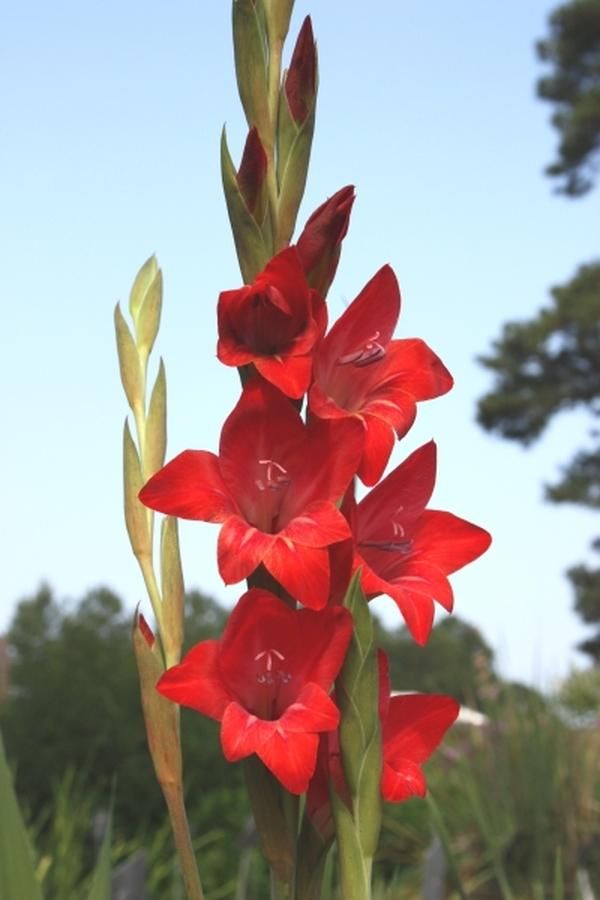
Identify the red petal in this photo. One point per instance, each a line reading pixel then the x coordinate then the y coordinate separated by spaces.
pixel 379 443
pixel 415 725
pixel 263 425
pixel 447 541
pixel 327 460
pixel 196 681
pixel 291 374
pixel 417 369
pixel 191 487
pixel 302 571
pixel 398 784
pixel 374 312
pixel 241 548
pixel 313 711
pixel 291 757
pixel 401 497
pixel 319 525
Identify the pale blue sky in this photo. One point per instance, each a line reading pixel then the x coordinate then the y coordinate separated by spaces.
pixel 111 114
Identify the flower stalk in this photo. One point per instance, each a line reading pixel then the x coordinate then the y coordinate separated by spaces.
pixel 140 461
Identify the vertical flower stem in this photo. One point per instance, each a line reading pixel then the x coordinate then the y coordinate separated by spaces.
pixel 173 795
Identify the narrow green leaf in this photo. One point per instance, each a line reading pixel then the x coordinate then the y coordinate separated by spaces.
pixel 142 281
pixel 129 363
pixel 172 590
pixel 252 249
pixel 559 886
pixel 155 442
pixel 439 827
pixel 136 517
pixel 101 879
pixel 17 871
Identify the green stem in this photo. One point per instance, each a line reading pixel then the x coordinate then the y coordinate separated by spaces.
pixel 183 841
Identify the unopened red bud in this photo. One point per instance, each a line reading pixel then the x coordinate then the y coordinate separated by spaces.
pixel 252 172
pixel 301 79
pixel 319 245
pixel 146 631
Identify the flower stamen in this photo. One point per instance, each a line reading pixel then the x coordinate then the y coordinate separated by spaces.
pixel 275 478
pixel 370 352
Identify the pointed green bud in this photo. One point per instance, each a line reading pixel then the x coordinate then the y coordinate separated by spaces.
pixel 148 320
pixel 142 282
pixel 136 515
pixel 251 62
pixel 252 249
pixel 172 590
pixel 132 376
pixel 145 304
pixel 155 440
pixel 161 717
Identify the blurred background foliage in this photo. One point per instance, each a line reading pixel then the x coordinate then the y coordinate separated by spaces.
pixel 506 796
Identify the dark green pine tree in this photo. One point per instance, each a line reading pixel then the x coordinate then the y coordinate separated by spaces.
pixel 551 362
pixel 572 49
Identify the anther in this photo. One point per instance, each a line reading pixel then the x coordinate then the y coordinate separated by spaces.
pixel 275 477
pixel 369 353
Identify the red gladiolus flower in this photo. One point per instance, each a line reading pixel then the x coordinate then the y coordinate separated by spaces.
pixel 407 551
pixel 360 372
pixel 319 246
pixel 412 726
pixel 273 485
pixel 273 323
pixel 267 681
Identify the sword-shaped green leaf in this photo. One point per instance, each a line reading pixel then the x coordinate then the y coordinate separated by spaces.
pixel 101 879
pixel 17 871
